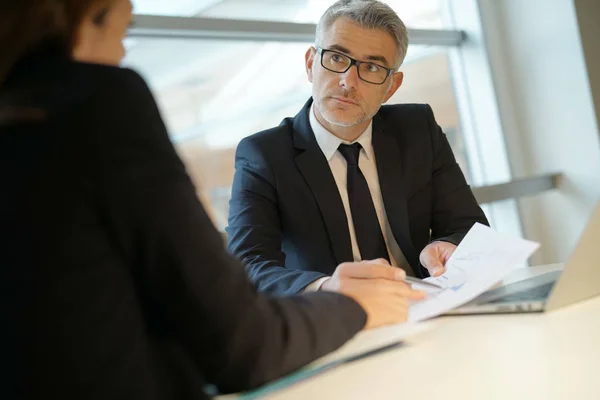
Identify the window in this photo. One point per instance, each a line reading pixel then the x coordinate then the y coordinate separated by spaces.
pixel 213 93
pixel 421 14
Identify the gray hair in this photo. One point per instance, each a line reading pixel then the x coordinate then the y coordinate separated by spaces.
pixel 368 14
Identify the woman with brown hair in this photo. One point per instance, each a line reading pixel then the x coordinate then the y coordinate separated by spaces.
pixel 114 283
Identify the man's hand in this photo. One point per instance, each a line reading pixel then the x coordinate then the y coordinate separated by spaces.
pixel 379 288
pixel 435 256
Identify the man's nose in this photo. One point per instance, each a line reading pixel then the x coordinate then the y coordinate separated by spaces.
pixel 349 79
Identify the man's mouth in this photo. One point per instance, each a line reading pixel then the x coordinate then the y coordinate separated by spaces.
pixel 346 100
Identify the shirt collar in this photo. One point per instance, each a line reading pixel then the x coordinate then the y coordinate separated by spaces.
pixel 329 143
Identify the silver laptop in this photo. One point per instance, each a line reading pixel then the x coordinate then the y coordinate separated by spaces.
pixel 578 280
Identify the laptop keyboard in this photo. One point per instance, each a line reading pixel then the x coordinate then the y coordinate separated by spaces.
pixel 537 293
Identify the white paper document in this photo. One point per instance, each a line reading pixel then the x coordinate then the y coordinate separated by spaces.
pixel 483 258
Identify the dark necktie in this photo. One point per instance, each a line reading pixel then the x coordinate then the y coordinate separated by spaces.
pixel 366 225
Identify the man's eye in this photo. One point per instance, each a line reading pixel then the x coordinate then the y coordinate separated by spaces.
pixel 373 68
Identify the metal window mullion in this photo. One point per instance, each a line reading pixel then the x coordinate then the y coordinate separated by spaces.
pixel 153 26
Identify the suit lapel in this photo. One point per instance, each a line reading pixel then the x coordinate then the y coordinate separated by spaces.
pixel 388 158
pixel 316 171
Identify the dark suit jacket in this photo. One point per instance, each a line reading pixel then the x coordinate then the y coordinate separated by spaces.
pixel 114 283
pixel 286 219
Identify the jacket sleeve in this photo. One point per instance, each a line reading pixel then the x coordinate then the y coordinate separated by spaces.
pixel 254 230
pixel 238 337
pixel 455 209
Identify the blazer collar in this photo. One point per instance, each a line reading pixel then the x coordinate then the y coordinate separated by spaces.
pixel 314 167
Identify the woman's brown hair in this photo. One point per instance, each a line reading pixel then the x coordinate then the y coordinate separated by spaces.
pixel 28 25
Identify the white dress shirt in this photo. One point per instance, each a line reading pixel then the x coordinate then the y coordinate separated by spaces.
pixel 329 144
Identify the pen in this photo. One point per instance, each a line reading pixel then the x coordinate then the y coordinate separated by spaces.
pixel 418 281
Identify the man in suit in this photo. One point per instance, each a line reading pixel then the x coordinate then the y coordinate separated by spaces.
pixel 347 178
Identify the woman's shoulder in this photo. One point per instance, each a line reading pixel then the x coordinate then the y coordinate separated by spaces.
pixel 117 83
pixel 115 103
pixel 109 95
pixel 54 80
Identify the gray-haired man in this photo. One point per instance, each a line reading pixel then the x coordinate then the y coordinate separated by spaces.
pixel 348 179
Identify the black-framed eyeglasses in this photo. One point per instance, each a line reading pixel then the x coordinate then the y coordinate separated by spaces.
pixel 369 72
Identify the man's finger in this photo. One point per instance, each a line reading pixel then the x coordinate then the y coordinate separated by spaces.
pixel 371 270
pixel 403 290
pixel 431 260
pixel 436 270
pixel 381 261
pixel 417 295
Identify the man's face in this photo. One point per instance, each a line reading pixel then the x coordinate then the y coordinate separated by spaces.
pixel 344 99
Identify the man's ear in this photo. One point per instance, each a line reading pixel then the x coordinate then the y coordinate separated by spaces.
pixel 309 60
pixel 396 78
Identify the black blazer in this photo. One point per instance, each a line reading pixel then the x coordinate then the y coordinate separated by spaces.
pixel 114 283
pixel 286 219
